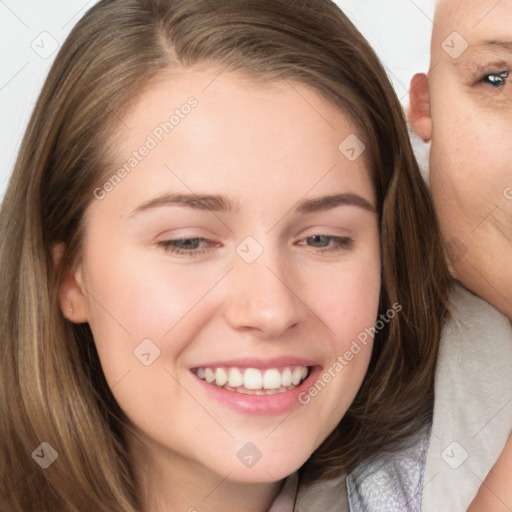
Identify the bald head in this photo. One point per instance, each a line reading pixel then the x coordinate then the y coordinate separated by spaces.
pixel 445 17
pixel 464 108
pixel 474 22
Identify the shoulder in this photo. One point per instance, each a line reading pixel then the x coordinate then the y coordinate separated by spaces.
pixel 473 402
pixel 391 481
pixel 471 312
pixel 327 496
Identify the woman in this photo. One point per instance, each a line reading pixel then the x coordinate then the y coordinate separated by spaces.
pixel 223 276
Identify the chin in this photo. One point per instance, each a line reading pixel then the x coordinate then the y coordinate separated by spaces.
pixel 272 469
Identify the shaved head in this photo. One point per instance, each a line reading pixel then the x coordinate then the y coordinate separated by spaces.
pixel 446 12
pixel 464 109
pixel 473 20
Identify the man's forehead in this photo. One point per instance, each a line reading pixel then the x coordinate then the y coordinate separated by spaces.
pixel 479 22
pixel 472 14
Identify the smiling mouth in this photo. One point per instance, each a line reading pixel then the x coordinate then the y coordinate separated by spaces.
pixel 253 381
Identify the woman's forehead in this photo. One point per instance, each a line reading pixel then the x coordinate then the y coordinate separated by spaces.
pixel 230 120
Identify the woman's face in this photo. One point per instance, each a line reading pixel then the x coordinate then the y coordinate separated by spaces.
pixel 241 244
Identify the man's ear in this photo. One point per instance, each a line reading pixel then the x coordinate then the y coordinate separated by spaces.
pixel 419 109
pixel 71 293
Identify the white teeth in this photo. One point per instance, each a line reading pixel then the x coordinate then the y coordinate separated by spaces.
pixel 221 377
pixel 286 377
pixel 235 377
pixel 254 381
pixel 209 375
pixel 272 379
pixel 296 376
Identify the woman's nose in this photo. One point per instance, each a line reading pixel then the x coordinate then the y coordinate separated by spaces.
pixel 264 297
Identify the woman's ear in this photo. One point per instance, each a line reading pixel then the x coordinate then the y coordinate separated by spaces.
pixel 71 293
pixel 419 109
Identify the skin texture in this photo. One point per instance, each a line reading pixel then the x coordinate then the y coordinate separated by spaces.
pixel 266 148
pixel 465 110
pixel 495 494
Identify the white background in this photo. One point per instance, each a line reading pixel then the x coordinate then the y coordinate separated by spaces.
pixel 399 30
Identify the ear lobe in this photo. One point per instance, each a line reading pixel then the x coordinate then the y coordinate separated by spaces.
pixel 72 297
pixel 419 109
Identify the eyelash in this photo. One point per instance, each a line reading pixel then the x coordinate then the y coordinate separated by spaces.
pixel 341 243
pixel 501 75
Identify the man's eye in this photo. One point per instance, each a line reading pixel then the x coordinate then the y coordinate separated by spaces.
pixel 497 80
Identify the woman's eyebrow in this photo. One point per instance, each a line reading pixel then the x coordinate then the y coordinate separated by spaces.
pixel 332 201
pixel 219 203
pixel 212 202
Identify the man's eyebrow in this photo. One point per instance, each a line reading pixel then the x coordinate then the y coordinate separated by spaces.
pixel 219 203
pixel 488 47
pixel 496 43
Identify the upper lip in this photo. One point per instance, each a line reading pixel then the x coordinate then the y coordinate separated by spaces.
pixel 262 364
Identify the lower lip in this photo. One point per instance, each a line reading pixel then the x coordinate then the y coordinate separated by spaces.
pixel 279 403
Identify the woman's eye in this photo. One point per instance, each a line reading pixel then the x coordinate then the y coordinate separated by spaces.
pixel 326 243
pixel 186 246
pixel 496 80
pixel 197 245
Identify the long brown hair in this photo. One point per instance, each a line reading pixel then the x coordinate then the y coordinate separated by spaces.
pixel 52 386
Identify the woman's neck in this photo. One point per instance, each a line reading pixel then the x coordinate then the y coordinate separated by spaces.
pixel 170 482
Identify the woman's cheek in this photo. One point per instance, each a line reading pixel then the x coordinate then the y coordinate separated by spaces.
pixel 148 292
